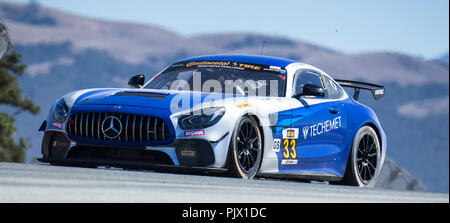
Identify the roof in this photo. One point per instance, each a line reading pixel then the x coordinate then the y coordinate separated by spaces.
pixel 255 59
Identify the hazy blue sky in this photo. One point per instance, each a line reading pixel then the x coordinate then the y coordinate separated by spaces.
pixel 416 27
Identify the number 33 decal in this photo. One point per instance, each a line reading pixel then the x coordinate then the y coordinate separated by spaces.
pixel 289 149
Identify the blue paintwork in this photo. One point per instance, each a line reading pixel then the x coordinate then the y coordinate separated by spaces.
pixel 328 152
pixel 110 97
pixel 317 152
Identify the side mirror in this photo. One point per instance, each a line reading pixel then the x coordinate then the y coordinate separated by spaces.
pixel 310 89
pixel 137 81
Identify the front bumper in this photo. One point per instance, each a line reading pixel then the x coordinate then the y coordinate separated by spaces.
pixel 182 154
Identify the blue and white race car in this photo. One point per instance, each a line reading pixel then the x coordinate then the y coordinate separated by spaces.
pixel 245 115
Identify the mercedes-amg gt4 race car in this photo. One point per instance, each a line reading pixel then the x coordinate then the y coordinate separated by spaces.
pixel 243 115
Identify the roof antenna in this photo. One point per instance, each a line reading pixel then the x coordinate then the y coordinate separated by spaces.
pixel 262 49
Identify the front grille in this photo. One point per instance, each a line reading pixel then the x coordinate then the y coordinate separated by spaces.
pixel 134 128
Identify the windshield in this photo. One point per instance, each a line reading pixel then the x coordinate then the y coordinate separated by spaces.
pixel 222 77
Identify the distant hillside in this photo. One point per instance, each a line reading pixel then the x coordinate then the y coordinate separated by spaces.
pixel 150 44
pixel 66 52
pixel 442 60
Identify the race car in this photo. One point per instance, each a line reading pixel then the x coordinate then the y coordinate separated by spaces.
pixel 242 115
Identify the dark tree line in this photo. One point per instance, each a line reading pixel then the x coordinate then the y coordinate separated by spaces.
pixel 11 96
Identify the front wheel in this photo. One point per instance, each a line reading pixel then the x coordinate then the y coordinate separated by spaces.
pixel 245 148
pixel 364 163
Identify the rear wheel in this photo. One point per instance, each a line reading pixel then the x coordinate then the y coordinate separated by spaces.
pixel 245 149
pixel 363 165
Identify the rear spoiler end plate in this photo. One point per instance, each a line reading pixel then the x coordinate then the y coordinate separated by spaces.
pixel 377 90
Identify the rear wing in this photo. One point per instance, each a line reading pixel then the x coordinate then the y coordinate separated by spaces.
pixel 377 90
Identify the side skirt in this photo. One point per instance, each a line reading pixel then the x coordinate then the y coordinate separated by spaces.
pixel 302 176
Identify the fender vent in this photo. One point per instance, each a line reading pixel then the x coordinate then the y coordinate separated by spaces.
pixel 142 94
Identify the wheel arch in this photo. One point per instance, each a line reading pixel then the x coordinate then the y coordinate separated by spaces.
pixel 345 178
pixel 256 119
pixel 377 131
pixel 258 122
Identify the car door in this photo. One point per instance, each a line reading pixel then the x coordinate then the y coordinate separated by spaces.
pixel 319 120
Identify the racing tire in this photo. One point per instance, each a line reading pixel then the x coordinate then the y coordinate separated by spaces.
pixel 245 149
pixel 364 163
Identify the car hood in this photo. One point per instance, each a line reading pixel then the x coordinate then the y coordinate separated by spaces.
pixel 148 98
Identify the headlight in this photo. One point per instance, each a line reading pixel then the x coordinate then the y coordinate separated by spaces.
pixel 61 111
pixel 201 118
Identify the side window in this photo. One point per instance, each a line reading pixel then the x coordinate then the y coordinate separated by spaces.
pixel 334 91
pixel 303 77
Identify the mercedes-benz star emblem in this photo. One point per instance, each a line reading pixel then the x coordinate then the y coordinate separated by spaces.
pixel 111 127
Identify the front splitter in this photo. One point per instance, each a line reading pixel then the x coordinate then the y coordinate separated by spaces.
pixel 132 165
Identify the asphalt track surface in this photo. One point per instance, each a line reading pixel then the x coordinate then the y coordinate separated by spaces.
pixel 45 183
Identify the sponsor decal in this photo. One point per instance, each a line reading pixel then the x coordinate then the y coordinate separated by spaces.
pixel 289 162
pixel 60 144
pixel 379 92
pixel 322 127
pixel 289 144
pixel 248 66
pixel 275 69
pixel 187 153
pixel 223 64
pixel 290 133
pixel 216 63
pixel 194 133
pixel 276 145
pixel 289 149
pixel 243 105
pixel 230 65
pixel 305 131
pixel 57 125
pixel 273 118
